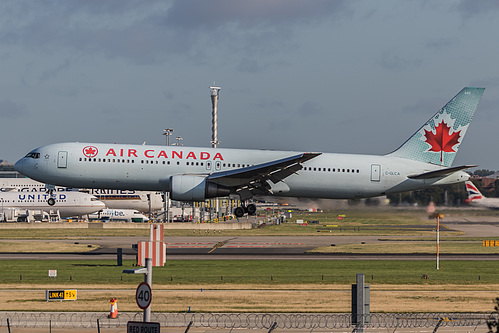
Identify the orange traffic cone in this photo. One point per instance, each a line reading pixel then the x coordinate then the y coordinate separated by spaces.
pixel 114 309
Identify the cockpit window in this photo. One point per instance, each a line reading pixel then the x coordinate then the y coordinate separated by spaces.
pixel 33 155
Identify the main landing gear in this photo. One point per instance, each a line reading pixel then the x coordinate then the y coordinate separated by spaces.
pixel 240 211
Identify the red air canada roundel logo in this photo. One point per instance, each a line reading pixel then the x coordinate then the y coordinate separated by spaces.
pixel 90 151
pixel 442 141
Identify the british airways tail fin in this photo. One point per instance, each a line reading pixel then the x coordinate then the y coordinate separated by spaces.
pixel 473 192
pixel 438 140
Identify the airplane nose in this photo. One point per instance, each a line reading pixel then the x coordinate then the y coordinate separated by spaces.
pixel 19 166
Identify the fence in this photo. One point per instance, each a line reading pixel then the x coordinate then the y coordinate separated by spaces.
pixel 245 320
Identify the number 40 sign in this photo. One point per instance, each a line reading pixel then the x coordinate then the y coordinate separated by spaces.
pixel 143 295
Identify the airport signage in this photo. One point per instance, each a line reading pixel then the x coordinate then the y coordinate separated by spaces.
pixel 141 327
pixel 61 295
pixel 143 295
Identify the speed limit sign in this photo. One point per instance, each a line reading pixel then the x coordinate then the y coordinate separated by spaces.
pixel 143 295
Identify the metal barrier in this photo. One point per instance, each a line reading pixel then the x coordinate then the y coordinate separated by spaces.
pixel 244 320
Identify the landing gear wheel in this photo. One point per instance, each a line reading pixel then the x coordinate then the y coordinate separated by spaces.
pixel 239 211
pixel 51 201
pixel 251 209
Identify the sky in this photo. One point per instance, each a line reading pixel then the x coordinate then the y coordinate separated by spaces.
pixel 347 76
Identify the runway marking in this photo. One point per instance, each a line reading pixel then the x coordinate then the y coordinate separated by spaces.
pixel 232 245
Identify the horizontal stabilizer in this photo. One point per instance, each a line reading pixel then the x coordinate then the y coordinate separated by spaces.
pixel 441 172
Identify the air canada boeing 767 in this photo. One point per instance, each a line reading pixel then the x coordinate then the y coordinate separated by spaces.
pixel 196 174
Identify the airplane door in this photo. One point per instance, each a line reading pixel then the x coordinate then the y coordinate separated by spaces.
pixel 208 165
pixel 375 172
pixel 62 159
pixel 218 165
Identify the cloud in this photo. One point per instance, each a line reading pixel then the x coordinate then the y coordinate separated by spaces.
pixel 11 110
pixel 488 83
pixel 201 14
pixel 397 63
pixel 149 32
pixel 469 8
pixel 309 109
pixel 54 72
pixel 251 66
pixel 440 43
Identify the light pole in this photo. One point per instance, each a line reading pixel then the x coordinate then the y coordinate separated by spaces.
pixel 178 143
pixel 166 204
pixel 167 132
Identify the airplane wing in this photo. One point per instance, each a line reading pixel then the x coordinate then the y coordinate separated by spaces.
pixel 441 172
pixel 253 180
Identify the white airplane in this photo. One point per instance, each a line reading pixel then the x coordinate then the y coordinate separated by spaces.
pixel 67 203
pixel 113 199
pixel 196 174
pixel 475 198
pixel 123 215
pixel 143 201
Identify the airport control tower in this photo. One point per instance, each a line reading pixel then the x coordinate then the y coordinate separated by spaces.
pixel 215 94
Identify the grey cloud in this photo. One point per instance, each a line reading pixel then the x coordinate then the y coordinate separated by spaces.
pixel 168 94
pixel 201 14
pixel 269 105
pixel 148 32
pixel 486 82
pixel 439 44
pixel 309 109
pixel 469 8
pixel 52 73
pixel 250 66
pixel 11 110
pixel 397 63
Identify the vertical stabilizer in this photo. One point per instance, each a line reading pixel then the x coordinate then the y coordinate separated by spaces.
pixel 473 192
pixel 438 140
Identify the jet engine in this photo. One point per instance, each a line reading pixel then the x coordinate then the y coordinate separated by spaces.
pixel 195 188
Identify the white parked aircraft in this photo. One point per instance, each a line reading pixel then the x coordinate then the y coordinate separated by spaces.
pixel 475 198
pixel 67 203
pixel 113 199
pixel 195 174
pixel 119 215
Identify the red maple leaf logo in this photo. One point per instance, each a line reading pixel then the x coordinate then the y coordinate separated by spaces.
pixel 442 141
pixel 90 151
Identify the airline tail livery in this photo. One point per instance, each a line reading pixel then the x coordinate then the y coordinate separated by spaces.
pixel 196 174
pixel 475 198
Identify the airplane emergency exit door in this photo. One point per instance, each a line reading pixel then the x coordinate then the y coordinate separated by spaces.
pixel 375 172
pixel 62 159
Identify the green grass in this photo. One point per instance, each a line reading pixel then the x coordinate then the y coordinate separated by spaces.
pixel 410 247
pixel 70 233
pixel 199 272
pixel 372 221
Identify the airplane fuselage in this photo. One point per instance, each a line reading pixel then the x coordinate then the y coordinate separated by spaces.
pixel 112 198
pixel 149 168
pixel 67 203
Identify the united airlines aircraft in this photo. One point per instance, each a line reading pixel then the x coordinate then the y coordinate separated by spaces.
pixel 113 199
pixel 67 203
pixel 196 174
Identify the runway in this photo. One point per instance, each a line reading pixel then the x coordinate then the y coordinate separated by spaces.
pixel 203 247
